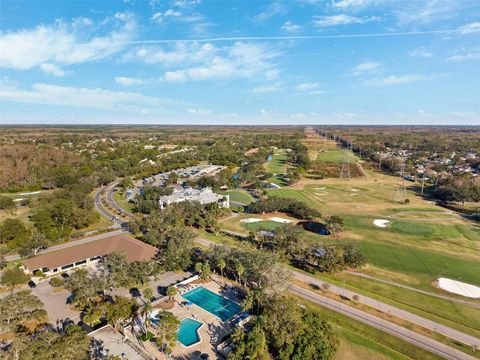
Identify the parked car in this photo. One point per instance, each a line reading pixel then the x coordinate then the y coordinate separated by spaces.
pixel 32 284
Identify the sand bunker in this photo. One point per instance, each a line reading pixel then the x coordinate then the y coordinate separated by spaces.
pixel 251 220
pixel 459 288
pixel 30 193
pixel 281 220
pixel 381 223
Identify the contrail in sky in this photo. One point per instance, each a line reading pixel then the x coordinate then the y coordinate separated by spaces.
pixel 280 38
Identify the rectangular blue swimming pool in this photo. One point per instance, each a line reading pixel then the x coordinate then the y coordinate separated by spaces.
pixel 213 303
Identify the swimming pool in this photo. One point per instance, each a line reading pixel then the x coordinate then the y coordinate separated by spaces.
pixel 213 303
pixel 188 332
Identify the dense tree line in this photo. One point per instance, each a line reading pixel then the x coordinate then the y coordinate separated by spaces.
pixel 290 206
pixel 289 242
pixel 284 330
pixel 458 188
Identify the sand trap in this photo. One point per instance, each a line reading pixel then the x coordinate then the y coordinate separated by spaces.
pixel 459 288
pixel 251 220
pixel 30 193
pixel 381 223
pixel 281 220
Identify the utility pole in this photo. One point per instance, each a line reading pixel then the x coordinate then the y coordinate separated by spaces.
pixel 401 191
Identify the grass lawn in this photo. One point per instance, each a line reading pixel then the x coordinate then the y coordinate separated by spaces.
pixel 336 156
pixel 265 225
pixel 119 197
pixel 240 196
pixel 360 341
pixel 278 164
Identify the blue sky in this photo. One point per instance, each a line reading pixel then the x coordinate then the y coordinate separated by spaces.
pixel 240 62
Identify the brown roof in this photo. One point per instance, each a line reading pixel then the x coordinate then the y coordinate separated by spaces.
pixel 134 249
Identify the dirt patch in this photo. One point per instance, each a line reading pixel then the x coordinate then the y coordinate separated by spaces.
pixel 165 305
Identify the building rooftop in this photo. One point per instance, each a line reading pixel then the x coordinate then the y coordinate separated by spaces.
pixel 203 196
pixel 134 249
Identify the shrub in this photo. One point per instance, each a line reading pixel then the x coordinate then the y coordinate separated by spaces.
pixel 55 282
pixel 38 273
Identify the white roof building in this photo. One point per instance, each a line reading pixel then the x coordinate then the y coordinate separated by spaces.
pixel 203 196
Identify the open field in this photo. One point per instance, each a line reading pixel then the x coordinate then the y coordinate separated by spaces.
pixel 335 156
pixel 239 195
pixel 422 241
pixel 278 164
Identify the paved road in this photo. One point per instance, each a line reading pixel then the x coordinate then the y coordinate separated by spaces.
pixel 383 325
pixel 445 297
pixel 388 309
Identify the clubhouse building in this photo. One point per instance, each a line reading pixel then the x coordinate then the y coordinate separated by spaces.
pixel 89 252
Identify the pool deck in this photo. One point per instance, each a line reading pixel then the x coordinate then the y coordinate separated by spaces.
pixel 213 328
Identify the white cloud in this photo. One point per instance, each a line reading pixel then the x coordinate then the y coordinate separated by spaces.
pixel 396 80
pixel 51 69
pixel 290 27
pixel 64 43
pixel 470 28
pixel 464 57
pixel 80 97
pixel 199 111
pixel 353 4
pixel 194 61
pixel 273 9
pixel 267 88
pixel 307 86
pixel 178 54
pixel 426 12
pixel 128 81
pixel 341 19
pixel 420 52
pixel 367 67
pixel 185 3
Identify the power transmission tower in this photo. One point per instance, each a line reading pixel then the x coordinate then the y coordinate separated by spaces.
pixel 401 191
pixel 345 172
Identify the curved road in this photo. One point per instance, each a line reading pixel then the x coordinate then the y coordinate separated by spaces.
pixel 384 325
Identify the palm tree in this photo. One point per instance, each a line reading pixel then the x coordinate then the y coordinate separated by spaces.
pixel 221 265
pixel 240 271
pixel 171 292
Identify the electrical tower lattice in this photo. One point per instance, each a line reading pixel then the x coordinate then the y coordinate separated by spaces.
pixel 345 172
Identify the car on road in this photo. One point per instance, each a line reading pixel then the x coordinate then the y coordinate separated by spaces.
pixel 32 284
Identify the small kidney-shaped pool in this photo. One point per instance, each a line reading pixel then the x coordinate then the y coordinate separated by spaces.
pixel 188 332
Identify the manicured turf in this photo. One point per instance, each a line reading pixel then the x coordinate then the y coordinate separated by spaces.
pixel 278 164
pixel 240 196
pixel 335 156
pixel 265 225
pixel 300 195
